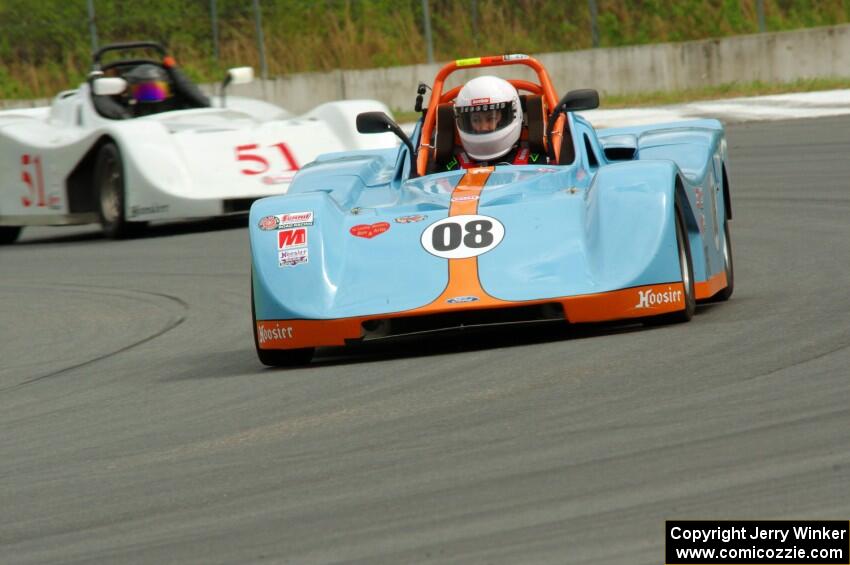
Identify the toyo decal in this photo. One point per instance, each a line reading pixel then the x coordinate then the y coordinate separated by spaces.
pixel 462 236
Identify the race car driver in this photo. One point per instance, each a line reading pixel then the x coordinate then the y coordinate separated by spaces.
pixel 489 120
pixel 149 89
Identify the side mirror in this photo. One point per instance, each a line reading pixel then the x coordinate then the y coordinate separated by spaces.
pixel 574 100
pixel 236 75
pixel 379 122
pixel 109 86
pixel 577 100
pixel 240 75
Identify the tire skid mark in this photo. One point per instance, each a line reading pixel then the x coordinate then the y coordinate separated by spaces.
pixel 133 294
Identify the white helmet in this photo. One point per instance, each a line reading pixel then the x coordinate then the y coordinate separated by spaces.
pixel 488 116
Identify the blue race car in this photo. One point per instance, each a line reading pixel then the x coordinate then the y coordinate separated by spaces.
pixel 621 224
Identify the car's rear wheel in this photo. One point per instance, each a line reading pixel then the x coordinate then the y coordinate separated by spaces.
pixel 277 357
pixel 9 234
pixel 728 265
pixel 111 194
pixel 687 271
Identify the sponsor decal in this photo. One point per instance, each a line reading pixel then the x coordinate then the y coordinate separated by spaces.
pixel 699 198
pixel 274 333
pixel 295 219
pixel 478 107
pixel 369 231
pixel 522 157
pixel 292 257
pixel 278 179
pixel 514 57
pixel 410 219
pixel 468 62
pixel 462 299
pixel 462 236
pixel 269 223
pixel 464 198
pixel 476 101
pixel 145 210
pixel 295 237
pixel 649 298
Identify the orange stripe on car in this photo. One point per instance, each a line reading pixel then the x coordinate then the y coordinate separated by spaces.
pixel 463 273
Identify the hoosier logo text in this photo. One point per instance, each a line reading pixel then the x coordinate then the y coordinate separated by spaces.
pixel 650 298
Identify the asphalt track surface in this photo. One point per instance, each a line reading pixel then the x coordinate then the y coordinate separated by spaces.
pixel 137 426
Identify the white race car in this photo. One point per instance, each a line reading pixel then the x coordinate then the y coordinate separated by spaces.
pixel 124 149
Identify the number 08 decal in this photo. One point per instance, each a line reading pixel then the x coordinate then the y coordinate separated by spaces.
pixel 460 237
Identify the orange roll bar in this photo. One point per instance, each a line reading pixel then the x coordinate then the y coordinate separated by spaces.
pixel 545 89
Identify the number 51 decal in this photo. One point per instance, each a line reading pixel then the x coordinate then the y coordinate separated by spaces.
pixel 31 166
pixel 250 154
pixel 460 237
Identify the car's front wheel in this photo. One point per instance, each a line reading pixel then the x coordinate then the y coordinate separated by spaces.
pixel 277 357
pixel 728 265
pixel 111 193
pixel 687 270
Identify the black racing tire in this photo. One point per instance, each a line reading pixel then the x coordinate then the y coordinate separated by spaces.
pixel 277 357
pixel 728 265
pixel 110 194
pixel 9 234
pixel 687 270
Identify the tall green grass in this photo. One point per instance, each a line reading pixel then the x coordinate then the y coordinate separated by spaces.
pixel 45 45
